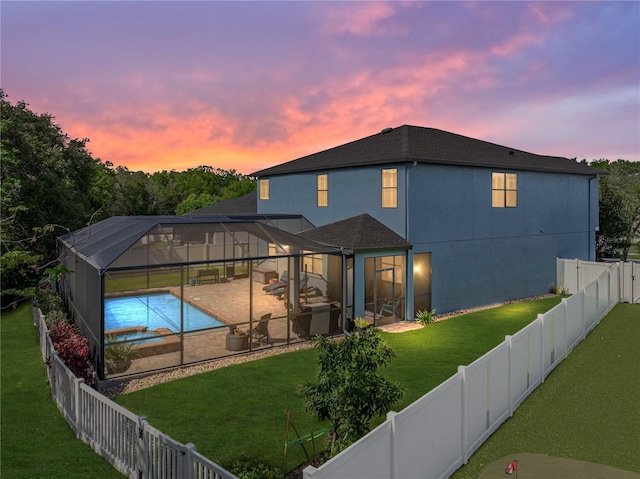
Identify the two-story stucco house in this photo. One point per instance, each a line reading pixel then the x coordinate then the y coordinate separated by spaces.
pixel 437 220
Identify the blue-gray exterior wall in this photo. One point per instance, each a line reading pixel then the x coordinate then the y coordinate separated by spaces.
pixel 480 255
pixel 352 192
pixel 483 255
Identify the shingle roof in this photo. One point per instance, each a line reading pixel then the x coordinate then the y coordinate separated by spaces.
pixel 246 204
pixel 358 233
pixel 426 145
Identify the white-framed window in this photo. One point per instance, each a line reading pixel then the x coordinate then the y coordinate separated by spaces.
pixel 390 188
pixel 264 189
pixel 504 190
pixel 323 191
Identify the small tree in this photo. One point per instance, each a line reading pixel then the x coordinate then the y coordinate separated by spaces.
pixel 619 208
pixel 349 390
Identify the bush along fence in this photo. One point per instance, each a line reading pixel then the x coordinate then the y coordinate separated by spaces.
pixel 125 440
pixel 439 432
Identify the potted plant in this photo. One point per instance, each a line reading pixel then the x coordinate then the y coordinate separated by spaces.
pixel 118 355
pixel 361 324
pixel 238 340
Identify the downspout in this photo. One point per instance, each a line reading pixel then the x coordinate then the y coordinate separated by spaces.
pixel 592 227
pixel 343 306
pixel 406 199
pixel 408 270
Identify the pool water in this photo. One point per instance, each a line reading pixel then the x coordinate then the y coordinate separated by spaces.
pixel 160 310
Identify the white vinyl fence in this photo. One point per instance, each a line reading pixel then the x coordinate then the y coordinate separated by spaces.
pixel 574 274
pixel 125 440
pixel 435 435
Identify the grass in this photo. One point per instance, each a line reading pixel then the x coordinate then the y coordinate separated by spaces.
pixel 137 281
pixel 36 442
pixel 634 251
pixel 587 409
pixel 240 410
pixel 156 279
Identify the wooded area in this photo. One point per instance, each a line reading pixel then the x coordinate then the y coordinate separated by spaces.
pixel 51 185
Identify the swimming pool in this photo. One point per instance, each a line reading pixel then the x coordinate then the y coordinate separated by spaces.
pixel 158 310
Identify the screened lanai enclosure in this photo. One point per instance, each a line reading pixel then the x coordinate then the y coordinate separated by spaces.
pixel 157 292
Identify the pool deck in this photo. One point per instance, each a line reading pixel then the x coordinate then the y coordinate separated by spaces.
pixel 229 303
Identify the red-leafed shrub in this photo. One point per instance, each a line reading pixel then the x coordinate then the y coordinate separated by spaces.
pixel 62 331
pixel 72 349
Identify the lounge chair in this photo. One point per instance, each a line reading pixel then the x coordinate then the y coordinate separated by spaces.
pixel 282 282
pixel 261 330
pixel 281 289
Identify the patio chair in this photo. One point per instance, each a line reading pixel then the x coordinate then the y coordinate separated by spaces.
pixel 261 330
pixel 389 308
pixel 281 283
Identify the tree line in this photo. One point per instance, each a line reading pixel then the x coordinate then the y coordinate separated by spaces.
pixel 619 207
pixel 51 185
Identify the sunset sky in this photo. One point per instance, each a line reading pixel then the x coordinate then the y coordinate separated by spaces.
pixel 247 85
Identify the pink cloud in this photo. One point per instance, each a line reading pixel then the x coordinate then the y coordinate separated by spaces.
pixel 550 13
pixel 363 19
pixel 516 44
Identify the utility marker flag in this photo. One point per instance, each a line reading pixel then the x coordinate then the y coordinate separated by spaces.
pixel 513 467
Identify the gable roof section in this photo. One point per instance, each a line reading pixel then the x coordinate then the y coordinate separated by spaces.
pixel 406 144
pixel 246 204
pixel 358 233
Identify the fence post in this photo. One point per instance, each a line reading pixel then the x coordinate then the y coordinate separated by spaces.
pixel 510 373
pixel 393 463
pixel 141 452
pixel 53 374
pixel 542 351
pixel 307 472
pixel 633 282
pixel 77 412
pixel 463 402
pixel 564 325
pixel 187 471
pixel 608 285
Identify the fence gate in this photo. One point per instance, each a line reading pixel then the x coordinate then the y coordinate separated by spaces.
pixel 630 282
pixel 164 458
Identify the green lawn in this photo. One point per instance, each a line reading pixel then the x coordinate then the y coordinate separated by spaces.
pixel 634 251
pixel 35 440
pixel 240 410
pixel 587 409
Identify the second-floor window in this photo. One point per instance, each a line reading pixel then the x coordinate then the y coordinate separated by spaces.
pixel 323 191
pixel 390 188
pixel 264 189
pixel 504 190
